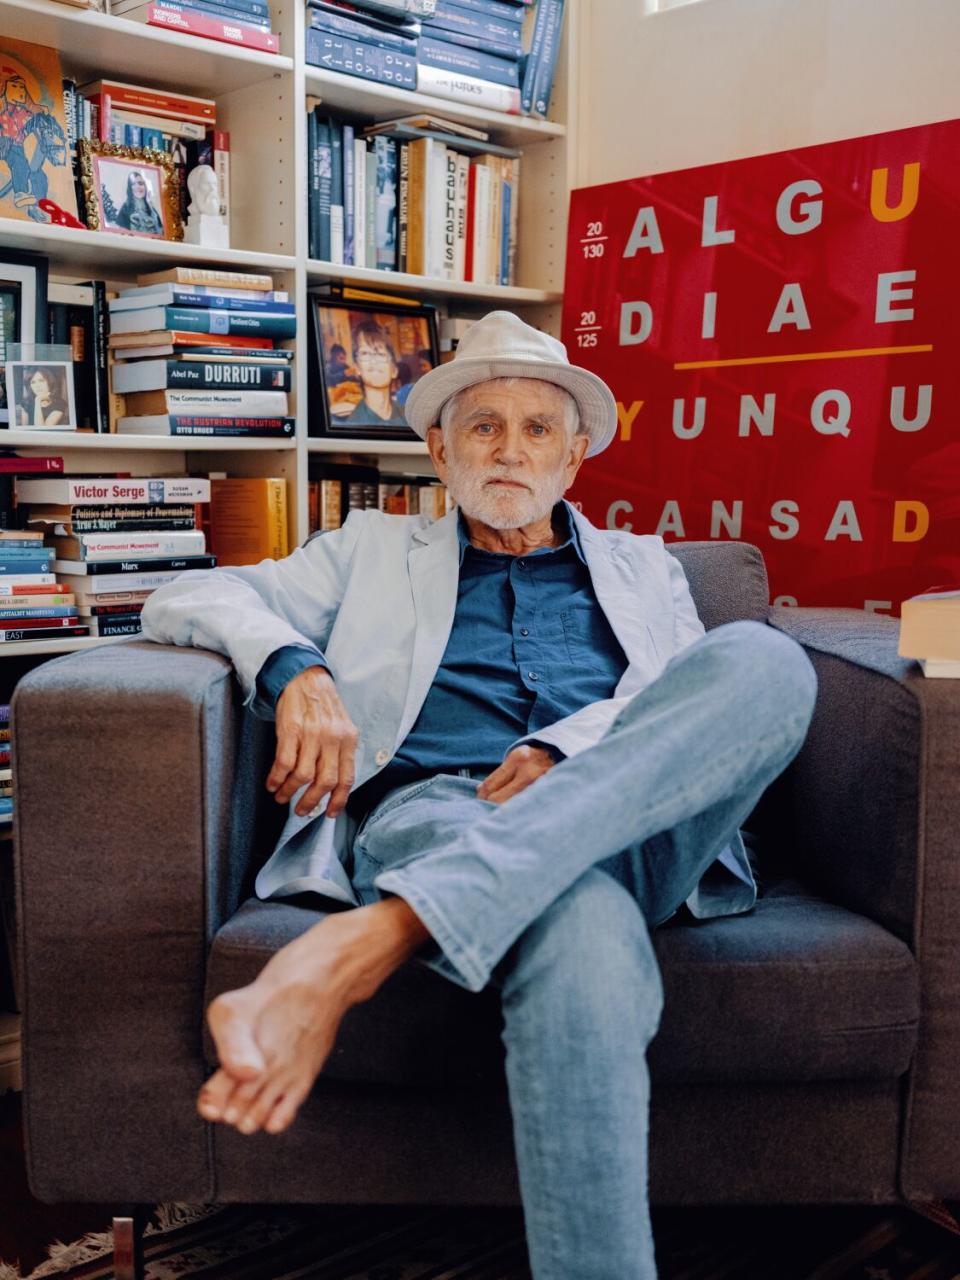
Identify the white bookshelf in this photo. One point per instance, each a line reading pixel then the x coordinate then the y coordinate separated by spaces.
pixel 261 102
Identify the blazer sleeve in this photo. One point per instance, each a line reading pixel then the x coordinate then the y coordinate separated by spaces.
pixel 247 612
pixel 583 728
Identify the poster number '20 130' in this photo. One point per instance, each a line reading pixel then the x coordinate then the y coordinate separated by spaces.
pixel 593 241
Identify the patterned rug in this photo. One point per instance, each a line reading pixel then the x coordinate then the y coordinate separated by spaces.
pixel 402 1243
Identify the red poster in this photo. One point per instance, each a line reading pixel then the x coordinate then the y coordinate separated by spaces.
pixel 781 337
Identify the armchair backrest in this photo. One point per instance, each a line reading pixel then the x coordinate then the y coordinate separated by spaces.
pixel 728 580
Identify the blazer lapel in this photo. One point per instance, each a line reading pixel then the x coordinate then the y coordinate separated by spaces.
pixel 618 596
pixel 433 563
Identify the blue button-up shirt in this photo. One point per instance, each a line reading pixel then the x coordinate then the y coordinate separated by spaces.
pixel 529 645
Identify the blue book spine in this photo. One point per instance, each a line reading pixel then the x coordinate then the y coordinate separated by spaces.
pixel 451 17
pixel 336 190
pixel 351 29
pixel 313 189
pixel 348 195
pixel 6 804
pixel 507 189
pixel 325 175
pixel 532 60
pixel 256 11
pixel 211 9
pixel 37 552
pixel 495 9
pixel 486 43
pixel 355 58
pixel 185 298
pixel 207 320
pixel 469 62
pixel 152 138
pixel 9 566
pixel 386 203
pixel 132 135
pixel 48 611
pixel 543 83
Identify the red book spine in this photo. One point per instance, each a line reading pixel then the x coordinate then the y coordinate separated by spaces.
pixel 15 624
pixel 155 103
pixel 24 465
pixel 200 25
pixel 471 215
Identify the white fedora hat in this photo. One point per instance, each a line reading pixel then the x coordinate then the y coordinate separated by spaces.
pixel 501 345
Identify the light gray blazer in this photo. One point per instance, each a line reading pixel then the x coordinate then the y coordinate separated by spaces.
pixel 377 597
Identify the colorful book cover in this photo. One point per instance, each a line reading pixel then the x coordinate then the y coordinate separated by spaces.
pixel 386 203
pixel 33 128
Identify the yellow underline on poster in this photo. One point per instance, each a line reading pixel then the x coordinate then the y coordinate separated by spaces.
pixel 805 355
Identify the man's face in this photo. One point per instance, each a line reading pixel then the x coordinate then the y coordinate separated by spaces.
pixel 508 457
pixel 16 89
pixel 376 365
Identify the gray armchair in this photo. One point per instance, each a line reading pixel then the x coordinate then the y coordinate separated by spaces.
pixel 807 1052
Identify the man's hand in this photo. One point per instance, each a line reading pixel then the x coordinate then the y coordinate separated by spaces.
pixel 316 743
pixel 522 766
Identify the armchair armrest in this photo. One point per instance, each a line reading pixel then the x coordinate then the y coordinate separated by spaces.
pixel 872 808
pixel 137 777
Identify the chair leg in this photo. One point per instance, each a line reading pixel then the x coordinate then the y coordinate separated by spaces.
pixel 128 1228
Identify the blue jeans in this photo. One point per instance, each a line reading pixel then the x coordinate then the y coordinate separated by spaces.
pixel 551 897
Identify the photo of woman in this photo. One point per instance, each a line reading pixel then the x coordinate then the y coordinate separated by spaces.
pixel 137 213
pixel 43 397
pixel 130 196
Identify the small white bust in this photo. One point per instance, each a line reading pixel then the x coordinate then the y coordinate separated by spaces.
pixel 204 223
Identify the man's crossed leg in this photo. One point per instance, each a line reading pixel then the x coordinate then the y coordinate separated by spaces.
pixel 689 755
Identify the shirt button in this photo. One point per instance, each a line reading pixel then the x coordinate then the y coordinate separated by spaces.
pixel 382 757
pixel 522 564
pixel 524 631
pixel 533 675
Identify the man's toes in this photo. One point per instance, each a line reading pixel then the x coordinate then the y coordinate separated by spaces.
pixel 286 1108
pixel 212 1099
pixel 231 1018
pixel 262 1107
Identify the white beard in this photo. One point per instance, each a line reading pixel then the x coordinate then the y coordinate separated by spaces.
pixel 502 507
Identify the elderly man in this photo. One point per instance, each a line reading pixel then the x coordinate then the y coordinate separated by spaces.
pixel 508 742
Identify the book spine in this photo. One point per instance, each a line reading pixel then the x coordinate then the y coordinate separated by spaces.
pixel 466 40
pixel 507 194
pixel 349 136
pixel 324 187
pixel 432 52
pixel 351 31
pixel 203 425
pixel 403 207
pixel 9 465
pixel 460 236
pixel 491 8
pixel 224 322
pixel 228 32
pixel 546 70
pixel 217 402
pixel 112 492
pixel 514 228
pixel 41 633
pixel 121 546
pixel 444 83
pixel 360 202
pixel 336 191
pixel 225 13
pixel 15 566
pixel 46 611
pixel 386 204
pixel 195 374
pixel 534 54
pixel 117 627
pixel 174 106
pixel 368 61
pixel 143 565
pixel 435 217
pixel 123 525
pixel 483 26
pixel 448 263
pixel 468 264
pixel 371 205
pixel 175 297
pixel 313 188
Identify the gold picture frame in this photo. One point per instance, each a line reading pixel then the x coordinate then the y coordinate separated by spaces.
pixel 132 191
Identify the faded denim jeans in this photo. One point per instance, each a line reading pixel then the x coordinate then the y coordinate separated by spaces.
pixel 551 897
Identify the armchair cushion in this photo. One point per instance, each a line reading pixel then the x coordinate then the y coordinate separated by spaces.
pixel 812 991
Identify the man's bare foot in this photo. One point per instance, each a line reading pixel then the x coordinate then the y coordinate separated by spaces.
pixel 274 1036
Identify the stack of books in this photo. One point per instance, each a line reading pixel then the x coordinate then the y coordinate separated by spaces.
pixel 418 193
pixel 134 115
pixel 243 22
pixel 930 631
pixel 500 54
pixel 196 355
pixel 33 604
pixel 6 765
pixel 336 489
pixel 114 540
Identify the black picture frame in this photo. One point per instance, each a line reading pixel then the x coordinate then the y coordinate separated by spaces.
pixel 23 277
pixel 339 405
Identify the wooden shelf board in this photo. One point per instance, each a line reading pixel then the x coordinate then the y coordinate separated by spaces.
pixel 59 440
pixel 405 448
pixel 106 251
pixel 95 44
pixel 384 101
pixel 427 285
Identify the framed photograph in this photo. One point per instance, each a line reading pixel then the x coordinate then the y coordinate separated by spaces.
pixel 23 309
pixel 133 191
pixel 41 395
pixel 365 359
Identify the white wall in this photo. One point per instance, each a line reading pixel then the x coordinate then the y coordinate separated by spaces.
pixel 723 79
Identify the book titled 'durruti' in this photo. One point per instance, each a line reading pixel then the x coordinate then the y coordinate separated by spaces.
pixel 930 631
